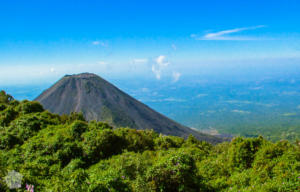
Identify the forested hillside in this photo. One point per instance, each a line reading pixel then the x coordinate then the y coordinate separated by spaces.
pixel 66 153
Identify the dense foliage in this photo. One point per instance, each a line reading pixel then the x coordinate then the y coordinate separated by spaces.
pixel 66 153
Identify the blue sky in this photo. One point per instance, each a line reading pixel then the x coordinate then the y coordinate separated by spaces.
pixel 42 40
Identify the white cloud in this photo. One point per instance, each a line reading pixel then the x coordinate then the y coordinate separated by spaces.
pixel 160 64
pixel 224 35
pixel 138 65
pixel 176 76
pixel 161 60
pixel 240 111
pixel 102 62
pixel 52 70
pixel 101 43
pixel 156 72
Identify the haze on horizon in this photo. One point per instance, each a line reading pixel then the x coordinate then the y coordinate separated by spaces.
pixel 154 41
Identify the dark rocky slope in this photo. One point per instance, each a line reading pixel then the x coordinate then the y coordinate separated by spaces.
pixel 99 100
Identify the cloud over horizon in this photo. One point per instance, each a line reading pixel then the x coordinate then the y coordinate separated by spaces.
pixel 176 76
pixel 101 43
pixel 225 34
pixel 160 64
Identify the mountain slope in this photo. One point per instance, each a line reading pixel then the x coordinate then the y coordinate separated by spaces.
pixel 99 100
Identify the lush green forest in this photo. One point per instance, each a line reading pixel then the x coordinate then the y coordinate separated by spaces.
pixel 66 153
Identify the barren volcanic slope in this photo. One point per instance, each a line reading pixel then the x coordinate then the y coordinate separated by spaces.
pixel 99 100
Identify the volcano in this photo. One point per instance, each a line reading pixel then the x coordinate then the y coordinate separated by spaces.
pixel 99 100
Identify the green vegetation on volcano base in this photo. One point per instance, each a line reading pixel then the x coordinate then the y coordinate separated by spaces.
pixel 66 153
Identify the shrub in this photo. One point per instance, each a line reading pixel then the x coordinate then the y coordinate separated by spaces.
pixel 7 116
pixel 26 126
pixel 99 144
pixel 5 98
pixel 8 141
pixel 2 107
pixel 94 125
pixel 77 128
pixel 242 152
pixel 136 140
pixel 167 142
pixel 173 172
pixel 30 107
pixel 75 116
